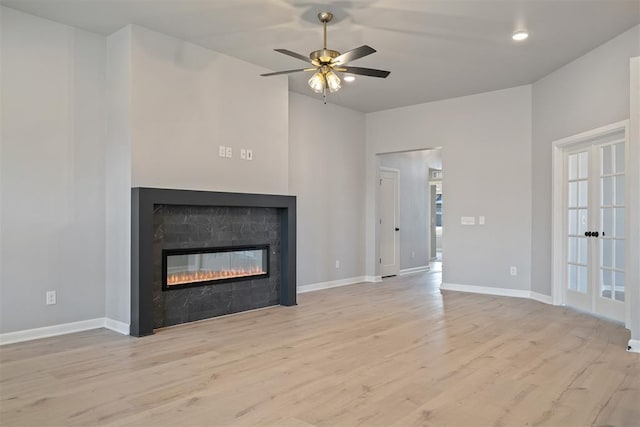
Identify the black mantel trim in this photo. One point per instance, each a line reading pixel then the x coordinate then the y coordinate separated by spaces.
pixel 142 205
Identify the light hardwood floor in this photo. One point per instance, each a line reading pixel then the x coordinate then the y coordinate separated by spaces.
pixel 396 353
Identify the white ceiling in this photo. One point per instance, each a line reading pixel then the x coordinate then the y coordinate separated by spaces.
pixel 434 49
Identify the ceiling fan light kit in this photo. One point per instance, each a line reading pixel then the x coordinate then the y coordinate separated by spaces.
pixel 326 63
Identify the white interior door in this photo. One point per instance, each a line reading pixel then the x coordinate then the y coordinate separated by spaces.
pixel 595 243
pixel 389 222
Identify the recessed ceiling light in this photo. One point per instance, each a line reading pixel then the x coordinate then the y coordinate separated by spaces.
pixel 349 78
pixel 520 35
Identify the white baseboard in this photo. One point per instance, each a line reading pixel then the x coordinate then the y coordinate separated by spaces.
pixel 116 326
pixel 503 292
pixel 634 346
pixel 62 329
pixel 332 284
pixel 414 270
pixel 373 278
pixel 546 299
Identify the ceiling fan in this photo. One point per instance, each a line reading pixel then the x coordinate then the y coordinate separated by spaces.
pixel 326 62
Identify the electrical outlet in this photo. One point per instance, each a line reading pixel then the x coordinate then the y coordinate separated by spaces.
pixel 243 153
pixel 51 297
pixel 481 220
pixel 413 254
pixel 222 151
pixel 229 152
pixel 337 263
pixel 513 271
pixel 249 154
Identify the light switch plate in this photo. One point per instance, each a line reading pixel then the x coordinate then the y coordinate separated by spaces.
pixel 229 152
pixel 243 153
pixel 249 154
pixel 481 220
pixel 222 151
pixel 468 220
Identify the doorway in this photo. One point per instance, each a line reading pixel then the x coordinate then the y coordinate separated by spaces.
pixel 403 218
pixel 436 201
pixel 590 223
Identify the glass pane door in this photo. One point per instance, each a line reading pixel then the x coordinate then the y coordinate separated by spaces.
pixel 577 249
pixel 595 229
pixel 611 265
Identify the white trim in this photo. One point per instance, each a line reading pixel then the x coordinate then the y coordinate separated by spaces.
pixel 502 292
pixel 414 270
pixel 116 326
pixel 388 169
pixel 373 279
pixel 633 205
pixel 63 329
pixel 633 346
pixel 331 284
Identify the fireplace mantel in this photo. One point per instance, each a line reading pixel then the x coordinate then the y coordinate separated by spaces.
pixel 143 201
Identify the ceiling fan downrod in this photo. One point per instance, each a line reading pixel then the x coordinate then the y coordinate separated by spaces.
pixel 325 17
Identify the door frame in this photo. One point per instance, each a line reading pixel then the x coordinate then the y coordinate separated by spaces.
pixel 558 291
pixel 397 209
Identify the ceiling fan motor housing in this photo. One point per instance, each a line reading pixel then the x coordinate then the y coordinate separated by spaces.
pixel 323 56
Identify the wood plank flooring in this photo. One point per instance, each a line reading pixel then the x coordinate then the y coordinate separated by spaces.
pixel 396 353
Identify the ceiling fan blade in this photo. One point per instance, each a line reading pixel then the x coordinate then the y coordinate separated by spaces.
pixel 286 72
pixel 365 71
pixel 294 54
pixel 354 54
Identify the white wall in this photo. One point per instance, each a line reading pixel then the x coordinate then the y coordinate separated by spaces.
pixel 326 173
pixel 494 129
pixel 413 205
pixel 590 92
pixel 186 101
pixel 52 172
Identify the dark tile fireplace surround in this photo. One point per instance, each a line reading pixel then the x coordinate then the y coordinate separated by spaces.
pixel 166 220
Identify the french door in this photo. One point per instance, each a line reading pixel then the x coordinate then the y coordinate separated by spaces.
pixel 595 246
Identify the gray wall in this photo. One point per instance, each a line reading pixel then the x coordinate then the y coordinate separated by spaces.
pixel 52 171
pixel 326 173
pixel 118 177
pixel 475 131
pixel 173 103
pixel 589 92
pixel 414 205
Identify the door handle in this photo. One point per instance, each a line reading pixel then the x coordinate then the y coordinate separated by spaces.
pixel 595 234
pixel 397 229
pixel 587 234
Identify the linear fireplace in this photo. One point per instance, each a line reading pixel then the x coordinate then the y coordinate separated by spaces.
pixel 183 268
pixel 219 233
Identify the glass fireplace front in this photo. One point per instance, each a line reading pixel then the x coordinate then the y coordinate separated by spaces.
pixel 183 268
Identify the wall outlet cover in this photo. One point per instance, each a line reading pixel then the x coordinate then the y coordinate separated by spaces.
pixel 249 154
pixel 222 151
pixel 243 153
pixel 51 297
pixel 229 152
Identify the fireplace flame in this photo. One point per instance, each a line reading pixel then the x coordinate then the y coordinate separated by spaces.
pixel 208 275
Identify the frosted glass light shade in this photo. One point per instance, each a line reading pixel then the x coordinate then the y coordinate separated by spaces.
pixel 317 82
pixel 333 81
